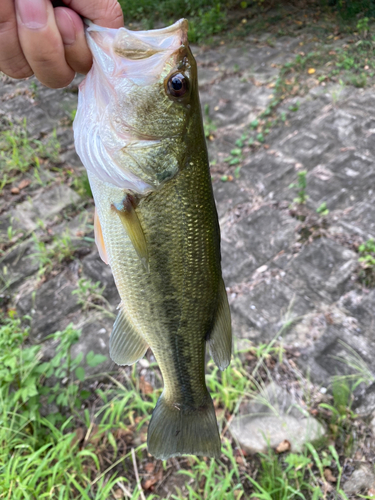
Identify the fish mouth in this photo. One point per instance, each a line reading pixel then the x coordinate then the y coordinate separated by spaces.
pixel 154 40
pixel 136 45
pixel 133 53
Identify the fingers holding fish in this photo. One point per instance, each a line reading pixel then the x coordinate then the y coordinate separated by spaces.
pixel 12 60
pixel 70 26
pixel 37 39
pixel 41 42
pixel 106 13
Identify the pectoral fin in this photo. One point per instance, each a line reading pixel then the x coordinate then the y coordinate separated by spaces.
pixel 99 240
pixel 220 338
pixel 126 345
pixel 133 228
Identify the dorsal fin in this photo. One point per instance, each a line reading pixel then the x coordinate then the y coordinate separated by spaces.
pixel 99 240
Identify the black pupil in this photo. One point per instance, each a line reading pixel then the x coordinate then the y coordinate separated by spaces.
pixel 177 83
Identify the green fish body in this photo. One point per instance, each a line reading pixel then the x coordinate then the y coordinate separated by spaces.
pixel 157 224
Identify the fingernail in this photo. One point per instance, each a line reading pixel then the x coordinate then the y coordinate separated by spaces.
pixel 32 13
pixel 66 27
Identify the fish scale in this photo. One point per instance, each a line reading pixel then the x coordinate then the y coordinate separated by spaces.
pixel 178 233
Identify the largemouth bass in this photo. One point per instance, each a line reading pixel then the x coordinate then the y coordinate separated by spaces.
pixel 138 131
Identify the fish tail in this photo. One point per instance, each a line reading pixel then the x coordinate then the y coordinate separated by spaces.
pixel 175 430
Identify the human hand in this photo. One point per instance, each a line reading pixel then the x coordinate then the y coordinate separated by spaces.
pixel 37 39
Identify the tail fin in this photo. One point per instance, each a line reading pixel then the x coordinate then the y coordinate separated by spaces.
pixel 174 431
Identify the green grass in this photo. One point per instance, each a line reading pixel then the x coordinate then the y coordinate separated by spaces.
pixel 301 186
pixel 90 296
pixel 344 65
pixel 367 262
pixel 81 184
pixel 63 439
pixel 350 9
pixel 50 255
pixel 205 18
pixel 19 153
pixel 285 479
pixel 40 456
pixel 214 479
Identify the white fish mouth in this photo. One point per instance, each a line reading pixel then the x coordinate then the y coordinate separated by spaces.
pixel 140 55
pixel 122 59
pixel 168 38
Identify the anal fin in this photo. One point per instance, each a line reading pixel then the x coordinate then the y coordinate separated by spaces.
pixel 99 240
pixel 126 345
pixel 133 228
pixel 220 338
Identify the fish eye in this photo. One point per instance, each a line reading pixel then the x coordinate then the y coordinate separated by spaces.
pixel 178 85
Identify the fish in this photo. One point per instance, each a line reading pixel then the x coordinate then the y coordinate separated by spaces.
pixel 139 132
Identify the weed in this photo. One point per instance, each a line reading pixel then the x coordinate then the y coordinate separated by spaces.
pixel 207 23
pixel 294 107
pixel 90 296
pixel 39 455
pixel 363 27
pixel 322 209
pixel 351 9
pixel 56 444
pixel 205 18
pixel 254 124
pixel 34 89
pixel 342 65
pixel 361 374
pixel 208 124
pixel 301 185
pixel 11 236
pixel 19 153
pixel 66 392
pixel 236 172
pixel 216 480
pixel 367 262
pixel 342 394
pixel 282 481
pixel 230 386
pixel 81 184
pixel 358 81
pixel 48 256
pixel 260 137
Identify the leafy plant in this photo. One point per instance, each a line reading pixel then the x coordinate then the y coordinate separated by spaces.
pixel 363 27
pixel 48 256
pixel 276 482
pixel 90 296
pixel 205 18
pixel 322 209
pixel 19 153
pixel 216 480
pixel 81 184
pixel 208 124
pixel 207 22
pixel 38 454
pixel 367 262
pixel 301 186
